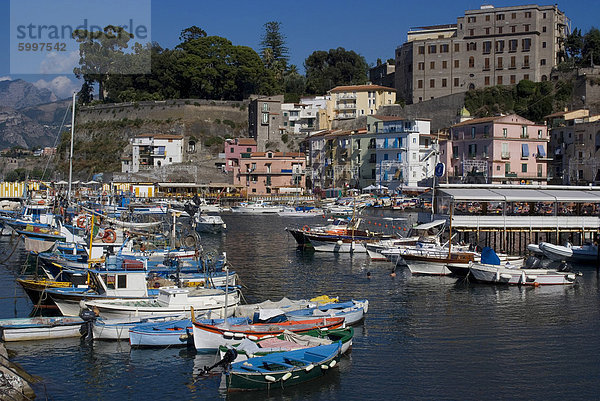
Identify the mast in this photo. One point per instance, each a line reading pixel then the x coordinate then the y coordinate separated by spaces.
pixel 71 151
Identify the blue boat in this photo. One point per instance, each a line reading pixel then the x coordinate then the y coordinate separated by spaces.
pixel 282 369
pixel 352 311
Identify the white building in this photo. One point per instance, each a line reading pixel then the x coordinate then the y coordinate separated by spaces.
pixel 307 116
pixel 153 150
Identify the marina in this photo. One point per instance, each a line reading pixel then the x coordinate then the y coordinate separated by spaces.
pixel 415 326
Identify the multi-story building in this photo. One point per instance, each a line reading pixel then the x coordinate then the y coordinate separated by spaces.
pixel 574 144
pixel 353 101
pixel 265 124
pixel 153 150
pixel 299 118
pixel 234 148
pixel 383 74
pixel 503 149
pixel 271 172
pixel 486 47
pixel 401 152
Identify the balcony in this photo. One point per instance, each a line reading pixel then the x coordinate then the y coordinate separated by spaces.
pixel 505 155
pixel 346 106
pixel 347 96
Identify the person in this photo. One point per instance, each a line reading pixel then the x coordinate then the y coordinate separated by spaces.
pixel 369 275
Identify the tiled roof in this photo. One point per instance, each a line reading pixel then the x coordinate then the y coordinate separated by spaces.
pixel 361 88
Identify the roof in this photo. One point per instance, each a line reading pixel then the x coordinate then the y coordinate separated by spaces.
pixel 361 88
pixel 246 141
pixel 522 194
pixel 426 226
pixel 277 154
pixel 160 136
pixel 484 120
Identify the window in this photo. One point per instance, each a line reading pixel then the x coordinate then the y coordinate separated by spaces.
pixel 421 49
pixel 444 48
pixel 539 170
pixel 486 64
pixel 524 151
pixel 487 17
pixel 456 63
pixel 513 28
pixel 230 150
pixel 471 62
pixel 444 82
pixel 444 64
pixel 543 45
pixel 432 65
pixel 421 66
pixel 524 167
pixel 499 46
pixel 499 64
pixel 513 15
pixel 505 133
pixel 473 132
pixel 432 83
pixel 513 79
pixel 121 281
pixel 455 152
pixel 471 19
pixel 456 47
pixel 499 79
pixel 471 32
pixel 248 150
pixel 527 14
pixel 543 29
pixel 265 118
pixel 526 62
pixel 544 15
pixel 486 80
pixel 526 44
pixel 526 27
pixel 456 82
pixel 500 30
pixel 472 46
pixel 265 107
pixel 543 61
pixel 487 47
pixel 540 133
pixel 507 168
pixel 526 76
pixel 524 132
pixel 505 153
pixel 485 151
pixel 499 17
pixel 487 31
pixel 513 62
pixel 432 49
pixel 420 84
pixel 472 150
pixel 385 156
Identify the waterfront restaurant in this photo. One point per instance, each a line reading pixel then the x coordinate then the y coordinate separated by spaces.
pixel 562 212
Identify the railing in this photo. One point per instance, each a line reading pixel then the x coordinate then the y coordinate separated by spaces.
pixel 347 96
pixel 343 106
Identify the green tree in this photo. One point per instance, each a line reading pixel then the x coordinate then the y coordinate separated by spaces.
pixel 590 51
pixel 326 70
pixel 294 85
pixel 191 33
pixel 273 46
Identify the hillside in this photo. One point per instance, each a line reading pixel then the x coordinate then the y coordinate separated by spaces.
pixel 19 94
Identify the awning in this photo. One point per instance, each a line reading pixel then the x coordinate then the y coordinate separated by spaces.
pixel 432 224
pixel 541 151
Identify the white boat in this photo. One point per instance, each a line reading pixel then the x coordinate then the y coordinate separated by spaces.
pixel 170 301
pixel 209 223
pixel 339 246
pixel 300 211
pixel 40 328
pixel 258 207
pixel 571 253
pixel 118 329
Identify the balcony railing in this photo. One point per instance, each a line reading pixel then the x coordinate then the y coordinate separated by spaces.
pixel 344 106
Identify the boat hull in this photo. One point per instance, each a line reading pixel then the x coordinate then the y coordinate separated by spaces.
pixel 494 274
pixel 40 328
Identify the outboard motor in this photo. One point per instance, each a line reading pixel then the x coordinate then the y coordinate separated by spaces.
pixel 88 316
pixel 533 263
pixel 564 267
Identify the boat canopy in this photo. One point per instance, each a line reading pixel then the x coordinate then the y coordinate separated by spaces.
pixel 426 226
pixel 519 194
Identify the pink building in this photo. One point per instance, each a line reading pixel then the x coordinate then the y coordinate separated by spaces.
pixel 502 149
pixel 235 148
pixel 271 173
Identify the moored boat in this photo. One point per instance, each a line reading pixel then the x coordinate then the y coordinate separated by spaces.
pixel 40 328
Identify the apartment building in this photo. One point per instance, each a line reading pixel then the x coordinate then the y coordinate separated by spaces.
pixel 353 101
pixel 153 150
pixel 234 148
pixel 488 46
pixel 265 123
pixel 262 173
pixel 503 149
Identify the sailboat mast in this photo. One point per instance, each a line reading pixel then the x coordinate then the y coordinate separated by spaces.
pixel 71 151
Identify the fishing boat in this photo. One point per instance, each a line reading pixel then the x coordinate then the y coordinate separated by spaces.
pixel 258 207
pixel 282 369
pixel 209 223
pixel 288 341
pixel 118 329
pixel 210 337
pixel 428 260
pixel 352 311
pixel 300 211
pixel 490 270
pixel 170 301
pixel 39 328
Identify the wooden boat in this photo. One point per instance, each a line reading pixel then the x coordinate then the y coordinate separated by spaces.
pixel 288 341
pixel 210 337
pixel 429 260
pixel 39 328
pixel 352 311
pixel 282 369
pixel 35 288
pixel 171 333
pixel 118 329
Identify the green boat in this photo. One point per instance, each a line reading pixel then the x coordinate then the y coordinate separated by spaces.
pixel 288 341
pixel 282 369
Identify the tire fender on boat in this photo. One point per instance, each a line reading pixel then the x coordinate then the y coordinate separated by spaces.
pixel 306 228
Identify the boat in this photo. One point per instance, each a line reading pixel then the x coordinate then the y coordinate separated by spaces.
pixel 300 211
pixel 170 301
pixel 118 329
pixel 490 270
pixel 428 259
pixel 210 337
pixel 352 311
pixel 209 223
pixel 171 333
pixel 258 207
pixel 288 341
pixel 40 328
pixel 586 253
pixel 282 369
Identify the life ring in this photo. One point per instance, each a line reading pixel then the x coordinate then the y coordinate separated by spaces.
pixel 81 221
pixel 306 228
pixel 109 236
pixel 41 202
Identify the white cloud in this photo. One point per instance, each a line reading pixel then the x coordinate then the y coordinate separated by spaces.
pixel 5 78
pixel 59 63
pixel 61 86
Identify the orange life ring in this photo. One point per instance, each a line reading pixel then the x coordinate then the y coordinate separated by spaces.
pixel 306 228
pixel 81 221
pixel 109 236
pixel 41 202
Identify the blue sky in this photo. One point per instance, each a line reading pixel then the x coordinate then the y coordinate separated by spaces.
pixel 373 29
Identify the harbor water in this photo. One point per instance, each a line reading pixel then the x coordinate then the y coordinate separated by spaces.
pixel 424 338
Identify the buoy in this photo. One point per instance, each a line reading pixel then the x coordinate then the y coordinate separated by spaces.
pixel 332 363
pixel 324 367
pixel 309 367
pixel 110 236
pixel 227 334
pixel 238 335
pixel 269 378
pixel 253 338
pixel 286 376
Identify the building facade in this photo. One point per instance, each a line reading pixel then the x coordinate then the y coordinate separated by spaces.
pixel 383 74
pixel 265 123
pixel 486 47
pixel 262 173
pixel 353 101
pixel 503 149
pixel 234 148
pixel 153 150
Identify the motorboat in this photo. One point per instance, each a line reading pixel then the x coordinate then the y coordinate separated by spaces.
pixel 258 207
pixel 587 253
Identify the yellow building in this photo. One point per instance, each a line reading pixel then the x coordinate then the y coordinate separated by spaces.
pixel 353 101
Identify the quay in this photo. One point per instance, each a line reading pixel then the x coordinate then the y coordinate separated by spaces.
pixel 508 217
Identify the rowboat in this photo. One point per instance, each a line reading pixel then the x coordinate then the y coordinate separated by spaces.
pixel 282 369
pixel 352 311
pixel 39 328
pixel 210 337
pixel 118 329
pixel 289 341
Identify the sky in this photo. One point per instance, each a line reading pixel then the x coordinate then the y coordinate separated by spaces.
pixel 373 29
